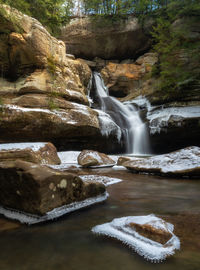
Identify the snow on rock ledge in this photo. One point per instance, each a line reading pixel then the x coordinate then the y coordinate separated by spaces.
pixel 36 152
pixel 160 118
pixel 183 163
pixel 132 231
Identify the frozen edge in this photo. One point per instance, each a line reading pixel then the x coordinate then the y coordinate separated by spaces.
pixel 31 219
pixel 140 244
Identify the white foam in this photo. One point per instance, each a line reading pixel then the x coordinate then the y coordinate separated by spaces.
pixel 153 251
pixel 105 180
pixel 55 213
pixel 35 146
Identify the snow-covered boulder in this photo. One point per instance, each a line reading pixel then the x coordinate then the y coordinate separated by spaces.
pixel 37 190
pixel 88 158
pixel 181 163
pixel 150 236
pixel 44 153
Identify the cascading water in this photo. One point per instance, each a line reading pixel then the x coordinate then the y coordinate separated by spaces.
pixel 126 116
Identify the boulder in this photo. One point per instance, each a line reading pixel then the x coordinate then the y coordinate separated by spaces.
pixel 123 79
pixel 181 163
pixel 127 38
pixel 37 189
pixel 88 158
pixel 122 160
pixel 44 153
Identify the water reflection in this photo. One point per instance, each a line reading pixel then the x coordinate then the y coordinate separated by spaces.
pixel 68 244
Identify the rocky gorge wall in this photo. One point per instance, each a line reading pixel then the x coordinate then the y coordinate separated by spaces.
pixel 43 91
pixel 122 54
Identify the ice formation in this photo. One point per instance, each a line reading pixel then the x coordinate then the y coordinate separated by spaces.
pixel 55 213
pixel 108 126
pixel 153 251
pixel 159 118
pixel 105 180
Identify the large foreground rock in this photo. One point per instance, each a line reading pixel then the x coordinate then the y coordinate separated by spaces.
pixel 182 163
pixel 122 40
pixel 37 189
pixel 44 153
pixel 88 158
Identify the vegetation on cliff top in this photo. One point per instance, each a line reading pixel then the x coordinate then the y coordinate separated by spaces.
pixel 51 13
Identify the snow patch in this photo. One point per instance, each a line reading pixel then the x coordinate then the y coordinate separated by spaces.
pixel 105 180
pixel 184 159
pixel 35 146
pixel 69 156
pixel 55 213
pixel 159 118
pixel 153 251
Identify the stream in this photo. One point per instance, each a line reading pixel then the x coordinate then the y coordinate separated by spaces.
pixel 69 243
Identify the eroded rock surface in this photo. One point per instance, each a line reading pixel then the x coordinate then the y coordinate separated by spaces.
pixel 128 77
pixel 88 39
pixel 37 189
pixel 88 158
pixel 181 163
pixel 43 91
pixel 44 153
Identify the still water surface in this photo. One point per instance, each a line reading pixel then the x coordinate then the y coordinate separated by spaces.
pixel 68 243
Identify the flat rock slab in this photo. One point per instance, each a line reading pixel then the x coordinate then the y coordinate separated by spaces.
pixel 37 189
pixel 150 236
pixel 44 153
pixel 181 163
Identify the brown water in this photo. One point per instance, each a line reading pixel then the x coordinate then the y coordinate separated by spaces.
pixel 68 243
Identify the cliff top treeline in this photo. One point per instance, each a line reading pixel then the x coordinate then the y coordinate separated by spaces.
pixel 55 13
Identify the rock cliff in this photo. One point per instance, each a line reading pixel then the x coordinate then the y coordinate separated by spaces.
pixel 43 91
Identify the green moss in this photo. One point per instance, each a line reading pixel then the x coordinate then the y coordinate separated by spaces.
pixel 51 66
pixel 52 105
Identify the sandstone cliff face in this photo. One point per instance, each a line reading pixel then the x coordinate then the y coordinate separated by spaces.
pixel 87 39
pixel 43 91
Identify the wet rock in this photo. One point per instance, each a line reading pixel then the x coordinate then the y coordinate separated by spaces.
pixel 181 163
pixel 150 236
pixel 84 38
pixel 88 158
pixel 173 127
pixel 122 160
pixel 37 189
pixel 155 234
pixel 44 153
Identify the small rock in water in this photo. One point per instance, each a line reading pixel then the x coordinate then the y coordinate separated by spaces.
pixel 121 160
pixel 89 158
pixel 150 236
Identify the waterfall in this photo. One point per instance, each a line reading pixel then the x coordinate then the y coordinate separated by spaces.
pixel 126 116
